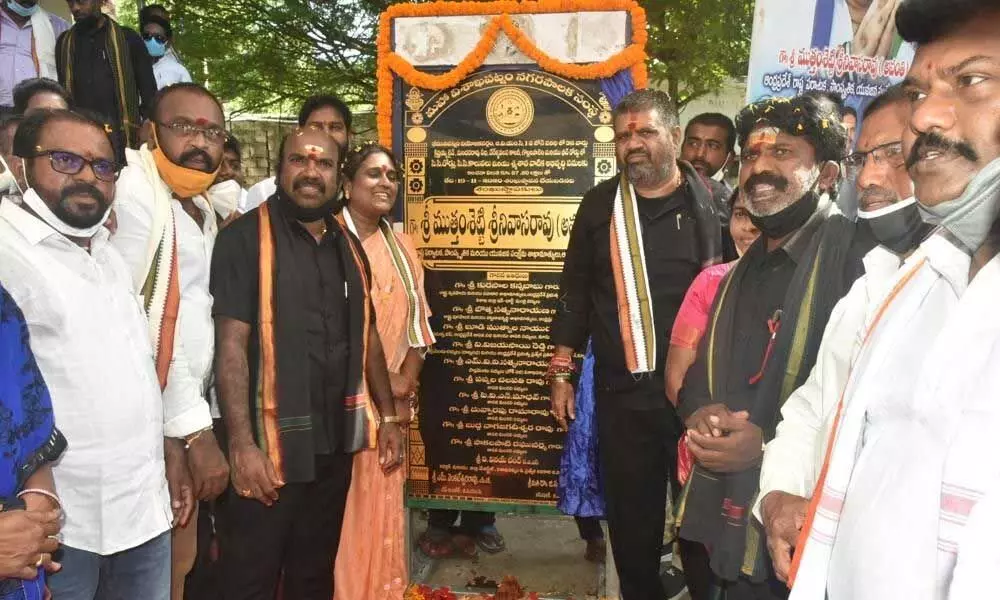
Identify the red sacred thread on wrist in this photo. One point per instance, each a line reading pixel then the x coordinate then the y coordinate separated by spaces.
pixel 559 365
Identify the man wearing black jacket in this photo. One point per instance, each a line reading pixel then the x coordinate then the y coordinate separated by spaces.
pixel 106 69
pixel 638 241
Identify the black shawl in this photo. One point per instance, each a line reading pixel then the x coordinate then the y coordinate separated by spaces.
pixel 715 507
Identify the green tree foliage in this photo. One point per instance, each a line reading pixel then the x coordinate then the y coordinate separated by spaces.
pixel 696 44
pixel 266 55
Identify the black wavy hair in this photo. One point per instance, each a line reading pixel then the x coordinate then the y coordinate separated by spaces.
pixel 26 90
pixel 29 132
pixel 314 103
pixel 817 120
pixel 923 21
pixel 358 155
pixel 716 120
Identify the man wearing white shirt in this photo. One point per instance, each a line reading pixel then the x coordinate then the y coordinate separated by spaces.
pixel 227 195
pixel 90 338
pixel 27 44
pixel 794 457
pixel 913 445
pixel 166 229
pixel 325 112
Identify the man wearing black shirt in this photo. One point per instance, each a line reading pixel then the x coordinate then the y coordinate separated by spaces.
pixel 106 69
pixel 678 233
pixel 764 333
pixel 295 348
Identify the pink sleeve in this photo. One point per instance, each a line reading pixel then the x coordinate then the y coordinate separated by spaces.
pixel 692 318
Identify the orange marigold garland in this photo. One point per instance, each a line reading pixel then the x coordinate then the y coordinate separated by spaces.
pixel 633 57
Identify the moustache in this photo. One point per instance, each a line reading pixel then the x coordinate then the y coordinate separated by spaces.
pixel 197 153
pixel 779 182
pixel 637 152
pixel 84 189
pixel 304 181
pixel 935 141
pixel 873 194
pixel 700 163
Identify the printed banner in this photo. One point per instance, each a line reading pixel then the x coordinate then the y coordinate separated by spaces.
pixel 849 47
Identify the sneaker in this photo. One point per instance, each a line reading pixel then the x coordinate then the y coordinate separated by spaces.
pixel 490 541
pixel 674 585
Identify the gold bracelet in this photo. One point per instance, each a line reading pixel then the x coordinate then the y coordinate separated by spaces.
pixel 391 419
pixel 567 377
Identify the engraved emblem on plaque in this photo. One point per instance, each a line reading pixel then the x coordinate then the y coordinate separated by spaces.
pixel 510 111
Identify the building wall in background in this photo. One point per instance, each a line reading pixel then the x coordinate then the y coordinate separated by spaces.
pixel 57 7
pixel 728 101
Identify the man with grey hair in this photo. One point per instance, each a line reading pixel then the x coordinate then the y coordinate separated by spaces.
pixel 638 241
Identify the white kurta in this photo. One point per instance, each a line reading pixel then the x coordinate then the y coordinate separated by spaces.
pixel 258 193
pixel 195 342
pixel 793 459
pixel 89 336
pixel 911 484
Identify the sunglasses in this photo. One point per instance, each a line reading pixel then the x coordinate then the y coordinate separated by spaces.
pixel 149 36
pixel 69 163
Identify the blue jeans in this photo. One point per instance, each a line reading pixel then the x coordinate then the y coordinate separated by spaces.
pixel 140 572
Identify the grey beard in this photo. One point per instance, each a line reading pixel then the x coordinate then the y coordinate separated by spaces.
pixel 647 175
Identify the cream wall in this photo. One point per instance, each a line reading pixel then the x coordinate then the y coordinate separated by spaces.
pixel 57 7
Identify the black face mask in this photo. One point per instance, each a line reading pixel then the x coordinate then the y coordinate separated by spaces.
pixel 788 219
pixel 899 228
pixel 305 215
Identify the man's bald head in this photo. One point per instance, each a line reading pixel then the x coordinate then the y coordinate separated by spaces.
pixel 308 167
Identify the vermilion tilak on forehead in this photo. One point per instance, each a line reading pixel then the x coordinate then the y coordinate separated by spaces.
pixel 201 121
pixel 314 151
pixel 763 136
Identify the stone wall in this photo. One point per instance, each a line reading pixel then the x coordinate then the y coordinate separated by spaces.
pixel 259 140
pixel 261 136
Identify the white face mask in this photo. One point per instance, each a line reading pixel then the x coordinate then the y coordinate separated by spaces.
pixel 8 183
pixel 225 197
pixel 33 201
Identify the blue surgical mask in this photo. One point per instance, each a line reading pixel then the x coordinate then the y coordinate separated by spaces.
pixel 24 11
pixel 156 48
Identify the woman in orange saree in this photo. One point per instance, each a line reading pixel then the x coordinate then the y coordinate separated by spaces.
pixel 372 558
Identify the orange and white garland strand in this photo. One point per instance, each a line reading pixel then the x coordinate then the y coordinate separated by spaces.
pixel 633 57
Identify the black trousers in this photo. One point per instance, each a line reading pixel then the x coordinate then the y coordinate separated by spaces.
pixel 638 454
pixel 589 528
pixel 472 520
pixel 703 584
pixel 294 541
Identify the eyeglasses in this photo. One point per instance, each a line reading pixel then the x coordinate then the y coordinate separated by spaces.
pixel 68 163
pixel 214 135
pixel 149 36
pixel 890 154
